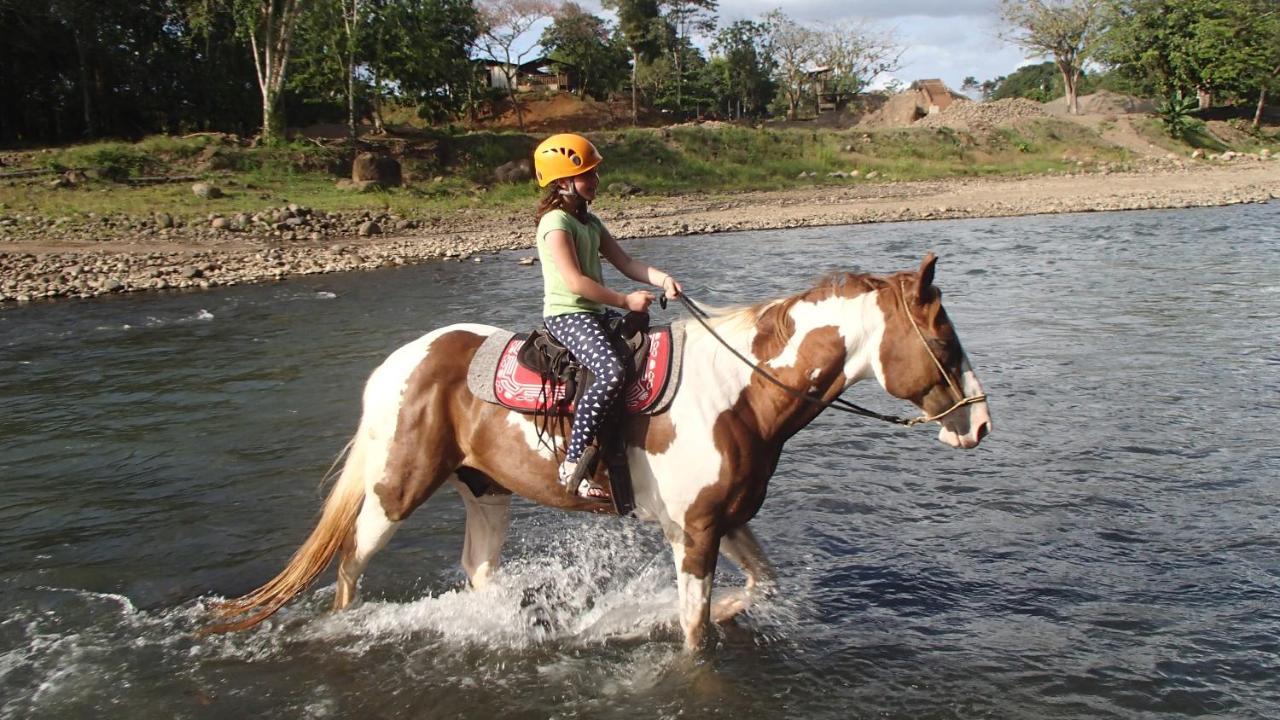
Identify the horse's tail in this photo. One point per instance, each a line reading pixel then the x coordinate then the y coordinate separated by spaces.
pixel 337 520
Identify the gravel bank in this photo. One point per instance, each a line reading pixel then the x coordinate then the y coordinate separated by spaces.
pixel 50 258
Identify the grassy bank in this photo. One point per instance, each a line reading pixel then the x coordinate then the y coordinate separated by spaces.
pixel 446 173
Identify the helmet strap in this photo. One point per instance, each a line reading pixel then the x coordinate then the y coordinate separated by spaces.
pixel 569 189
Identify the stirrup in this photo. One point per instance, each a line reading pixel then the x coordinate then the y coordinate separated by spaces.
pixel 580 481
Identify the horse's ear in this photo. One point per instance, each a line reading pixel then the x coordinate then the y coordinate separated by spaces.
pixel 924 277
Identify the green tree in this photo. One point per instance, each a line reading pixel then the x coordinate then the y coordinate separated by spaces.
pixel 641 29
pixel 688 18
pixel 75 68
pixel 742 68
pixel 582 40
pixel 1214 48
pixel 1041 82
pixel 327 54
pixel 795 52
pixel 268 26
pixel 1066 30
pixel 419 48
pixel 1269 83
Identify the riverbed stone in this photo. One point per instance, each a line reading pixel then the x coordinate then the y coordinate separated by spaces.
pixel 206 191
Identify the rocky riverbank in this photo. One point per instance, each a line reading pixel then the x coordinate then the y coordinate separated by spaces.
pixel 51 257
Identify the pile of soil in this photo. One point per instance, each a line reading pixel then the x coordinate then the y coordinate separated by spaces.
pixel 564 112
pixel 901 110
pixel 984 116
pixel 1103 102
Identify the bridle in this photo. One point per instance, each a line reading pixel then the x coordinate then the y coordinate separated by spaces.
pixel 961 399
pixel 839 403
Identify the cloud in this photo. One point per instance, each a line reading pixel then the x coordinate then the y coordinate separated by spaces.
pixel 949 40
pixel 827 11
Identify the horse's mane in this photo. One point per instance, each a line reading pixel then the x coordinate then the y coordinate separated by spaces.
pixel 771 317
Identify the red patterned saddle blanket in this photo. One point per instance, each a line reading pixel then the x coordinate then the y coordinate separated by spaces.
pixel 498 376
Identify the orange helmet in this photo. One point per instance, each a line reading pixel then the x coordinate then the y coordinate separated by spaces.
pixel 562 156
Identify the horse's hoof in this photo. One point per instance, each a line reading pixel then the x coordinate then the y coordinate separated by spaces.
pixel 728 608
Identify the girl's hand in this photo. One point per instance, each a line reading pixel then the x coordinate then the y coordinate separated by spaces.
pixel 638 301
pixel 672 287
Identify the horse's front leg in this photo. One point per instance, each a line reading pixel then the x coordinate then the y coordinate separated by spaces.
pixel 744 550
pixel 695 553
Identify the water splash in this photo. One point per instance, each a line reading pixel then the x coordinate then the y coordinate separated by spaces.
pixel 598 584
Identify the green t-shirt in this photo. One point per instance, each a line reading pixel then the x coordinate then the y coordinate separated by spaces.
pixel 557 299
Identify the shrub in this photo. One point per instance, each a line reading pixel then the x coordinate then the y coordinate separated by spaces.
pixel 1175 114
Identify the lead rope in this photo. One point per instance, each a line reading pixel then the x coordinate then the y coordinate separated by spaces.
pixel 836 403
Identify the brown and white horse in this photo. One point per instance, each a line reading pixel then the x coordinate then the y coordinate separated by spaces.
pixel 700 469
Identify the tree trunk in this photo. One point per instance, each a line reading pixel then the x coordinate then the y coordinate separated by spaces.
pixel 679 79
pixel 269 39
pixel 351 103
pixel 1262 101
pixel 377 105
pixel 635 100
pixel 1069 83
pixel 86 94
pixel 511 94
pixel 272 118
pixel 352 25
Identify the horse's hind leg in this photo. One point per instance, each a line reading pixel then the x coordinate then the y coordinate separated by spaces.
pixel 372 531
pixel 488 517
pixel 744 550
pixel 386 505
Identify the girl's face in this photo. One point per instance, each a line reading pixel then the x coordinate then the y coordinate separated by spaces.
pixel 586 184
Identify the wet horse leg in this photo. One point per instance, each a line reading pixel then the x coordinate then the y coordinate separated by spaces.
pixel 695 554
pixel 488 518
pixel 386 504
pixel 372 531
pixel 744 550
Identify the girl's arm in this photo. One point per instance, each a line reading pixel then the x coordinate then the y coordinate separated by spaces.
pixel 634 269
pixel 566 259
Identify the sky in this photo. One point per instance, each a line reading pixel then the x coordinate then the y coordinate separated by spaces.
pixel 947 39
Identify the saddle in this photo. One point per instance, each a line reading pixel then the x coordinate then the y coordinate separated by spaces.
pixel 555 365
pixel 534 374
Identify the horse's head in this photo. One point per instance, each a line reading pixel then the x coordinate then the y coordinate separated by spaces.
pixel 921 359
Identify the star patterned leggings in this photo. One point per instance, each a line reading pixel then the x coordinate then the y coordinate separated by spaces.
pixel 583 333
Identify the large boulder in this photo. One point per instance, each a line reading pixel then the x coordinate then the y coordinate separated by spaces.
pixel 368 167
pixel 514 171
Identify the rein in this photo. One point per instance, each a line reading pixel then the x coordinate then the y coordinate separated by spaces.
pixel 839 403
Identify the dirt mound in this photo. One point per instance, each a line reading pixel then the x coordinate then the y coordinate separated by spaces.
pixel 984 116
pixel 923 98
pixel 899 111
pixel 1103 102
pixel 564 112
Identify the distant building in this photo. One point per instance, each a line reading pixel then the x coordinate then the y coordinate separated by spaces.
pixel 825 95
pixel 539 74
pixel 933 96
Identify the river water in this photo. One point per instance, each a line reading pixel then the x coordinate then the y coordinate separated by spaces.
pixel 1110 551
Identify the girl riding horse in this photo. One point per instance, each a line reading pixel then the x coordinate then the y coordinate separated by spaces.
pixel 571 241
